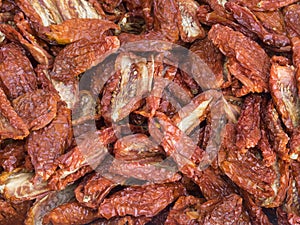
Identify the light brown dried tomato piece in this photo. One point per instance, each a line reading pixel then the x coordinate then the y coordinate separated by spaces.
pixel 70 213
pixel 11 125
pixel 284 91
pixel 73 30
pixel 185 211
pixel 248 126
pixel 291 17
pixel 37 109
pixel 68 91
pixel 16 73
pixel 249 62
pixel 189 26
pixel 152 199
pixel 92 191
pixel 48 143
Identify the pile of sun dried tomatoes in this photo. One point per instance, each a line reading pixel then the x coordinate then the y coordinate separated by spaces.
pixel 106 119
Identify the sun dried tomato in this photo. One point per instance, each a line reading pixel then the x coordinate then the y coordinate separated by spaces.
pixel 48 143
pixel 70 213
pixel 219 9
pixel 80 56
pixel 110 89
pixel 189 27
pixel 176 143
pixel 12 213
pixel 221 211
pixel 45 204
pixel 248 171
pixel 76 29
pixel 37 109
pixel 208 17
pixel 212 184
pixel 82 159
pixel 211 55
pixel 185 211
pixel 256 213
pixel 277 137
pixel 16 186
pixel 248 126
pixel 289 212
pixel 12 126
pixel 38 13
pixel 16 73
pixel 284 91
pixel 249 62
pixel 192 114
pixel 268 154
pixel 273 21
pixel 165 26
pixel 124 202
pixel 134 84
pixel 264 5
pixel 150 169
pixel 91 192
pixel 29 42
pixel 12 156
pixel 246 18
